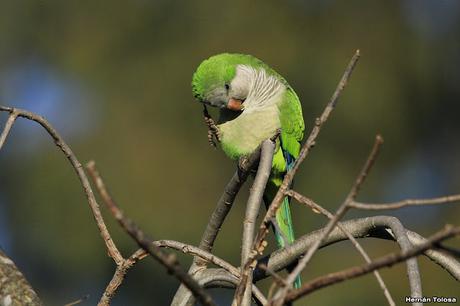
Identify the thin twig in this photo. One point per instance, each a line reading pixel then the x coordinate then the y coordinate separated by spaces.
pixel 80 300
pixel 111 247
pixel 316 207
pixel 276 277
pixel 118 277
pixel 378 263
pixel 404 203
pixel 167 260
pixel 243 292
pixel 6 130
pixel 337 216
pixel 306 148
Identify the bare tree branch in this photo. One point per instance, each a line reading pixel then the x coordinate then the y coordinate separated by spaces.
pixel 382 227
pixel 378 263
pixel 330 226
pixel 316 207
pixel 112 249
pixel 406 202
pixel 210 278
pixel 168 260
pixel 6 130
pixel 243 292
pixel 119 276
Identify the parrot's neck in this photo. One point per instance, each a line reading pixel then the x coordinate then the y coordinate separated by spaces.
pixel 264 89
pixel 242 133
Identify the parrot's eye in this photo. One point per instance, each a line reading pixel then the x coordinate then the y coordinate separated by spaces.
pixel 227 87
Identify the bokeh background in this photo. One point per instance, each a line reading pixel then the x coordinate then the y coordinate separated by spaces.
pixel 114 78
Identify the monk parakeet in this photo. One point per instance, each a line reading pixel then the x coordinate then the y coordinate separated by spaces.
pixel 255 102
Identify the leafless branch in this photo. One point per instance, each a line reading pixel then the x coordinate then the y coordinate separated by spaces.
pixel 110 245
pixel 112 249
pixel 167 260
pixel 316 207
pixel 404 203
pixel 243 292
pixel 337 216
pixel 6 130
pixel 378 263
pixel 381 227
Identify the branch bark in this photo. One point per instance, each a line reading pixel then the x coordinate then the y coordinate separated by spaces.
pixel 167 260
pixel 14 288
pixel 243 292
pixel 331 224
pixel 378 263
pixel 316 207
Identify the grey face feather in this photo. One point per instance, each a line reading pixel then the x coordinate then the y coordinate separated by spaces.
pixel 218 97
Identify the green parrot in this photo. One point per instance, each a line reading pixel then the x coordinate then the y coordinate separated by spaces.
pixel 255 102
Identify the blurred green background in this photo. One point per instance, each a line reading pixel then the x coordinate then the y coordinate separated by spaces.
pixel 114 78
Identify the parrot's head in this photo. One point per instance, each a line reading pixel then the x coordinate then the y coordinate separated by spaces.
pixel 217 83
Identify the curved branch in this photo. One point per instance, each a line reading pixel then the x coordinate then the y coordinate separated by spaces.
pixel 169 261
pixel 370 227
pixel 111 247
pixel 318 208
pixel 378 263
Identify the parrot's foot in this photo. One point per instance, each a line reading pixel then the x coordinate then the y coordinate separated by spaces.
pixel 213 130
pixel 276 135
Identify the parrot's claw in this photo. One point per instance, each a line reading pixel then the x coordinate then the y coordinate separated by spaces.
pixel 213 130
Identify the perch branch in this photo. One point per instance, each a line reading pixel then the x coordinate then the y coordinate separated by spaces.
pixel 316 207
pixel 243 292
pixel 378 263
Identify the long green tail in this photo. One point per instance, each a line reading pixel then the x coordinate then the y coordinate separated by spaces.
pixel 283 219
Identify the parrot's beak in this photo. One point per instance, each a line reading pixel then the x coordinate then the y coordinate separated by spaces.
pixel 235 105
